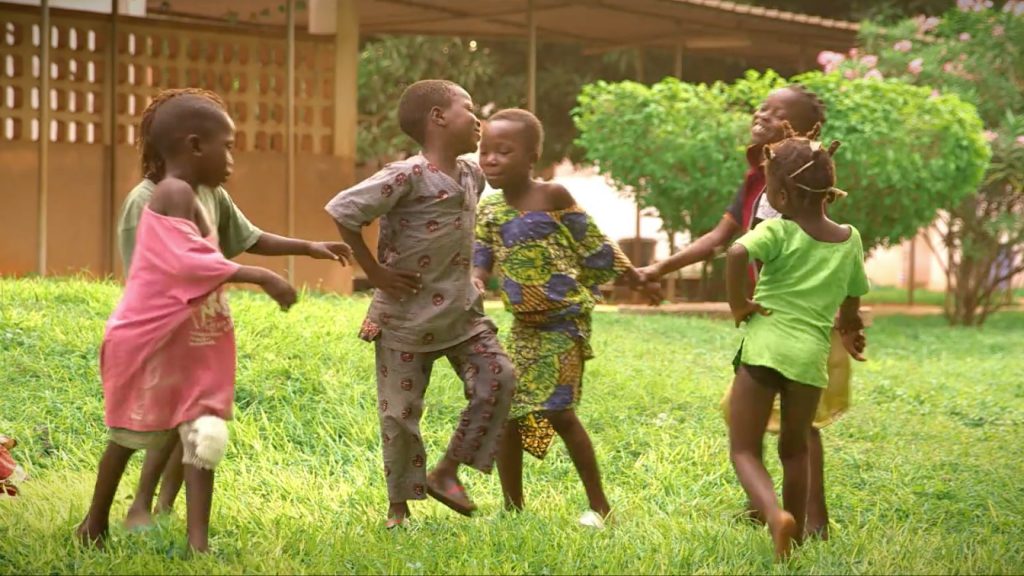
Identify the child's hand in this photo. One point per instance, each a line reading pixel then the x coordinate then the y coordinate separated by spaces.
pixel 395 283
pixel 331 251
pixel 854 341
pixel 742 312
pixel 651 272
pixel 280 290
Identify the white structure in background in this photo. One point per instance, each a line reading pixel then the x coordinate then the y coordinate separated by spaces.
pixel 615 213
pixel 124 7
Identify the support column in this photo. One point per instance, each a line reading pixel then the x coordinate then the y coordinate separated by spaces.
pixel 677 69
pixel 44 135
pixel 531 59
pixel 346 94
pixel 111 254
pixel 289 133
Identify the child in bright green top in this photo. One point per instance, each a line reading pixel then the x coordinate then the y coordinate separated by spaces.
pixel 812 267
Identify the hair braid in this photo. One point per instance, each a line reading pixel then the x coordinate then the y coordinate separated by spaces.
pixel 152 162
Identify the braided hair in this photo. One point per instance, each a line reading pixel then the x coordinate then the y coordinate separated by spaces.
pixel 803 164
pixel 152 160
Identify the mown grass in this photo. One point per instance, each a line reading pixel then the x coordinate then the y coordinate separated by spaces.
pixel 923 474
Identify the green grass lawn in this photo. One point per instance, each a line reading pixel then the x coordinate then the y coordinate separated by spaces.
pixel 924 474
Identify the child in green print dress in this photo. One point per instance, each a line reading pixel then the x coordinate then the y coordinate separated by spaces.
pixel 812 267
pixel 551 257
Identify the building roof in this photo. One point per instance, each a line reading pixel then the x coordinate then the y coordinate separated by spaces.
pixel 712 27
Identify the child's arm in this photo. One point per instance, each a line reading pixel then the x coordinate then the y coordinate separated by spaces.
pixel 396 283
pixel 275 286
pixel 699 250
pixel 273 245
pixel 742 308
pixel 175 198
pixel 851 328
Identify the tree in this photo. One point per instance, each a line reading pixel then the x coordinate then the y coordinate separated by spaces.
pixel 976 52
pixel 679 147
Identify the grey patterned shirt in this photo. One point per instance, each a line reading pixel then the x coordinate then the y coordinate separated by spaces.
pixel 426 225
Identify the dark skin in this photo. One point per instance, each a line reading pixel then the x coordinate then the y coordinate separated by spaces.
pixel 450 132
pixel 197 160
pixel 754 387
pixel 767 127
pixel 166 463
pixel 508 157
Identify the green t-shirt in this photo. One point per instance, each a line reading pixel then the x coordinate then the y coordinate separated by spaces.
pixel 234 231
pixel 803 283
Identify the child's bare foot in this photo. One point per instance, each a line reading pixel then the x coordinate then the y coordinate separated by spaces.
pixel 398 513
pixel 138 518
pixel 784 532
pixel 91 534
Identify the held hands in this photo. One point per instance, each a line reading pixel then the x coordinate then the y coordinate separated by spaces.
pixel 395 283
pixel 855 342
pixel 742 312
pixel 650 272
pixel 331 251
pixel 280 290
pixel 641 282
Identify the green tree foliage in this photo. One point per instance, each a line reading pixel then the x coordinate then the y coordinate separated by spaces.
pixel 977 52
pixel 679 147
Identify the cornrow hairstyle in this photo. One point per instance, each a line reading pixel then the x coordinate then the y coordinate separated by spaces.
pixel 805 165
pixel 530 123
pixel 815 107
pixel 416 103
pixel 152 161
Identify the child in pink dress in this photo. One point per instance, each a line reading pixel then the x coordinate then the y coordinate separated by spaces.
pixel 168 355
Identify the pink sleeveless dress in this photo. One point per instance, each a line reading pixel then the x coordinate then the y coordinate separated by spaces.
pixel 168 354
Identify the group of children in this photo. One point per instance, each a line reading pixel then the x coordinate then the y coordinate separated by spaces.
pixel 168 364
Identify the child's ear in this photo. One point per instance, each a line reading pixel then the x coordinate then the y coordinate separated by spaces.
pixel 194 143
pixel 534 158
pixel 437 116
pixel 767 151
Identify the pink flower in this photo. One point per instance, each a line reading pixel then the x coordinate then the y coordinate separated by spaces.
pixel 916 66
pixel 870 60
pixel 965 37
pixel 903 46
pixel 935 93
pixel 1020 140
pixel 830 61
pixel 850 73
pixel 929 24
pixel 873 74
pixel 999 30
pixel 948 67
pixel 990 135
pixel 1014 6
pixel 854 52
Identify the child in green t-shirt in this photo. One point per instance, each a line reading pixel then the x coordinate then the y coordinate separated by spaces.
pixel 811 267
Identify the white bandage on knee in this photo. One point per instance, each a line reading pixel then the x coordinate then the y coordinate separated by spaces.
pixel 209 435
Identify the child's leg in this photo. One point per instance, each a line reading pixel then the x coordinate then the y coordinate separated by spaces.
pixel 799 403
pixel 569 427
pixel 750 406
pixel 204 441
pixel 510 466
pixel 140 512
pixel 198 503
pixel 402 379
pixel 174 475
pixel 817 511
pixel 94 528
pixel 489 384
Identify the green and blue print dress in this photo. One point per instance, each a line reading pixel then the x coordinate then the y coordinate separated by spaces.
pixel 550 265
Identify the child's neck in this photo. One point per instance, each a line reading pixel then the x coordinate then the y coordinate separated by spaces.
pixel 182 173
pixel 443 156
